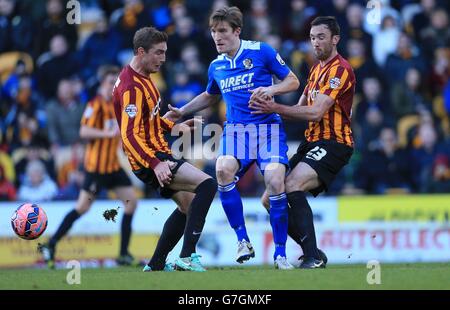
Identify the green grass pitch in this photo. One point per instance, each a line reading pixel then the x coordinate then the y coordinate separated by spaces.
pixel 393 276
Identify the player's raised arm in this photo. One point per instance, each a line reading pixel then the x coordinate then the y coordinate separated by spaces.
pixel 277 67
pixel 288 84
pixel 199 103
pixel 338 83
pixel 299 111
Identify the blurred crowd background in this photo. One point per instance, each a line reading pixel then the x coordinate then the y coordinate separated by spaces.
pixel 400 111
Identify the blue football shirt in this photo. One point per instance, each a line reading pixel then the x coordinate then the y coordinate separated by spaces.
pixel 253 66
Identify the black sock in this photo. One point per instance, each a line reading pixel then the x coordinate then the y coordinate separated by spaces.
pixel 125 233
pixel 172 232
pixel 292 229
pixel 64 227
pixel 204 195
pixel 304 223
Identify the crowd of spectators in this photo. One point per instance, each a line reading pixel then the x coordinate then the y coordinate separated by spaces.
pixel 400 55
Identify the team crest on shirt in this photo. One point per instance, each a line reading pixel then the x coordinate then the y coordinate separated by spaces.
pixel 335 82
pixel 131 110
pixel 248 63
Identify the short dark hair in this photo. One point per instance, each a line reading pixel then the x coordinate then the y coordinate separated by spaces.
pixel 147 37
pixel 232 15
pixel 105 70
pixel 330 22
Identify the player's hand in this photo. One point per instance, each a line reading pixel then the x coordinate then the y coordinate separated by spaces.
pixel 262 105
pixel 261 92
pixel 163 173
pixel 172 164
pixel 193 123
pixel 174 114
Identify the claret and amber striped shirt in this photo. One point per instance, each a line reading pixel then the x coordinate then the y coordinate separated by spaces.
pixel 336 80
pixel 101 154
pixel 137 105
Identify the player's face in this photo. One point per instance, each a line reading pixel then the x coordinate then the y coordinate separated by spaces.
pixel 322 41
pixel 154 58
pixel 225 38
pixel 108 83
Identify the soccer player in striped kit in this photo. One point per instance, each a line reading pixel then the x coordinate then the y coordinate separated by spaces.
pixel 326 103
pixel 101 165
pixel 137 105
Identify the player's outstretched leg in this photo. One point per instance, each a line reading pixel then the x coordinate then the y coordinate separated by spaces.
pixel 172 232
pixel 293 230
pixel 48 250
pixel 204 195
pixel 190 179
pixel 127 195
pixel 303 178
pixel 226 168
pixel 274 179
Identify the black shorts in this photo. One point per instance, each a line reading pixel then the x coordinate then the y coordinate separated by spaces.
pixel 326 157
pixel 95 182
pixel 147 175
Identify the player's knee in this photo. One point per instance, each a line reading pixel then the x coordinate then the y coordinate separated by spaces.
pixel 82 209
pixel 208 186
pixel 183 208
pixel 275 186
pixel 130 207
pixel 293 185
pixel 225 175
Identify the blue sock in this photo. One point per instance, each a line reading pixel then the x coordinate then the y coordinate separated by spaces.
pixel 279 222
pixel 232 205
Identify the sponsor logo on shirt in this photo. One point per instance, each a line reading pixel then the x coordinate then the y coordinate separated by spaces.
pixel 233 83
pixel 131 110
pixel 335 83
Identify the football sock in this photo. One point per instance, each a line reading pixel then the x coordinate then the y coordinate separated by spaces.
pixel 292 229
pixel 204 195
pixel 125 233
pixel 279 222
pixel 234 210
pixel 172 232
pixel 64 227
pixel 304 221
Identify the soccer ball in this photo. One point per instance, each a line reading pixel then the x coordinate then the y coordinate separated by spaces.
pixel 29 221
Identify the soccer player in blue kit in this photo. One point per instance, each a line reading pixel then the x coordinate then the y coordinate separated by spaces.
pixel 243 71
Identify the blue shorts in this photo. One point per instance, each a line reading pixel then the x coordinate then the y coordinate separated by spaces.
pixel 260 143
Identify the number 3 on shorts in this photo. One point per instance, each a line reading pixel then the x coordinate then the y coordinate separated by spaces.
pixel 316 153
